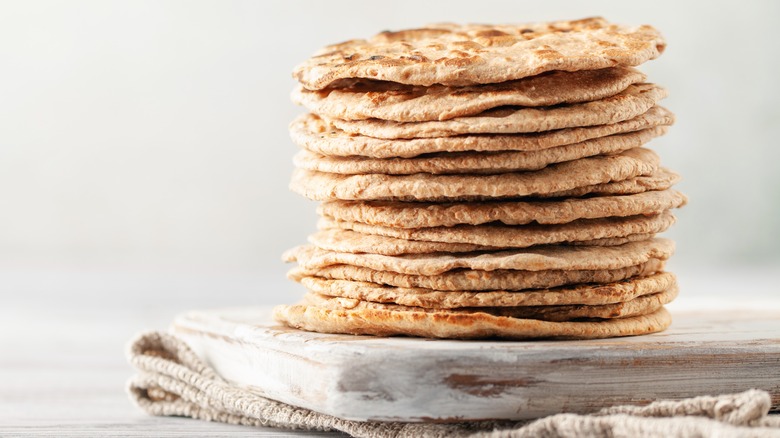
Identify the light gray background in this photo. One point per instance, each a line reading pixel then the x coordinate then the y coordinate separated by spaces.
pixel 148 138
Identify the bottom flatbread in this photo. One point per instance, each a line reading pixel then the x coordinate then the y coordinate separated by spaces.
pixel 454 325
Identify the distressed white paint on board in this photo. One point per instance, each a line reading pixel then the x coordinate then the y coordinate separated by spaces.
pixel 369 378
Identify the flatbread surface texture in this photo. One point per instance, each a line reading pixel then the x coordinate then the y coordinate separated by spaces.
pixel 458 55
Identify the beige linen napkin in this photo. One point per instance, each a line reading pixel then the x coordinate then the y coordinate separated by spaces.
pixel 173 381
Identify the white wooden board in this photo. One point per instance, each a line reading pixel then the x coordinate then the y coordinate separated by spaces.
pixel 409 379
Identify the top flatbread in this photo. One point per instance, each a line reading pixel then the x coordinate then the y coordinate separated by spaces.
pixel 452 54
pixel 365 99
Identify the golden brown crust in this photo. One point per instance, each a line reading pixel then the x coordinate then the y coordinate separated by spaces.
pixel 460 55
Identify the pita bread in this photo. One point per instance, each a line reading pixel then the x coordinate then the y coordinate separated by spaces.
pixel 426 187
pixel 629 103
pixel 583 294
pixel 458 55
pixel 473 280
pixel 366 99
pixel 424 215
pixel 543 258
pixel 340 240
pixel 517 236
pixel 453 325
pixel 476 162
pixel 317 135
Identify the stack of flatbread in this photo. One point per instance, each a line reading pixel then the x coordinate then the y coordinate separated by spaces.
pixel 485 181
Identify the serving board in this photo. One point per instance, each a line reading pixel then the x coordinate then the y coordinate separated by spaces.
pixel 410 379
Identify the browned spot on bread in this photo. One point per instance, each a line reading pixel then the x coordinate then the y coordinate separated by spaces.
pixel 459 62
pixel 547 53
pixel 467 45
pixel 490 33
pixel 416 58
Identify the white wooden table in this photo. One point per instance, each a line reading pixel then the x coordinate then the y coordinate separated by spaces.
pixel 63 335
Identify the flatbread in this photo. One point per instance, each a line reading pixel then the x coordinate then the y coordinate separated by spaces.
pixel 517 236
pixel 465 54
pixel 631 102
pixel 424 215
pixel 559 313
pixel 477 162
pixel 452 325
pixel 426 187
pixel 529 259
pixel 350 241
pixel 612 241
pixel 343 240
pixel 317 135
pixel 583 294
pixel 366 99
pixel 474 280
pixel 662 179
